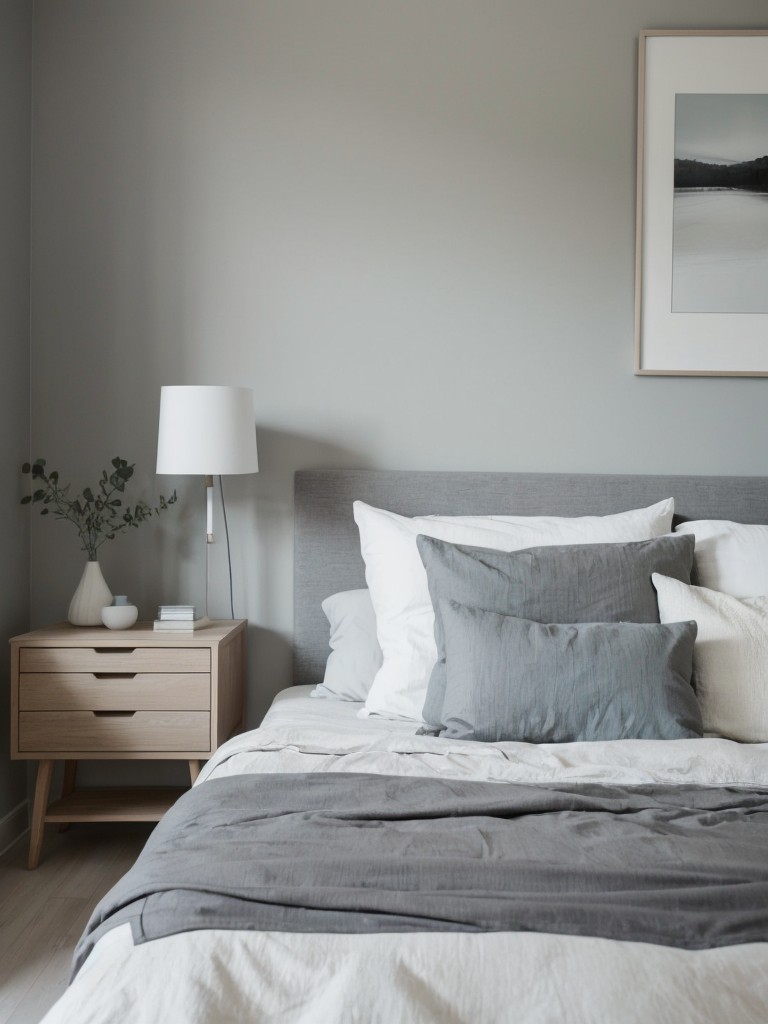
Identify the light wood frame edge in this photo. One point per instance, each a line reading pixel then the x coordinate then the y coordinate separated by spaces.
pixel 14 681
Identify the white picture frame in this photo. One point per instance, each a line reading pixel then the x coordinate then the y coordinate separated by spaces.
pixel 671 338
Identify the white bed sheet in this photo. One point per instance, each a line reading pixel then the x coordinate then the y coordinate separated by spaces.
pixel 212 977
pixel 302 733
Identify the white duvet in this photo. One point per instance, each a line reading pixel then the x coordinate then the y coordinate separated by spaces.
pixel 212 977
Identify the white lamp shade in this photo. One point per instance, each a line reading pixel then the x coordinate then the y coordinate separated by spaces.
pixel 206 430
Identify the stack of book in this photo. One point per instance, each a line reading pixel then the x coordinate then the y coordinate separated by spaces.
pixel 177 618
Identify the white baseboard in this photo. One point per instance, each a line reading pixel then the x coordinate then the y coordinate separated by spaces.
pixel 14 825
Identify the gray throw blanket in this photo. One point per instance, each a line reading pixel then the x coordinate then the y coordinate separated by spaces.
pixel 680 866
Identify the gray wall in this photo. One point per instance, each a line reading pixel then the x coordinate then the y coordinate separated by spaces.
pixel 407 224
pixel 15 39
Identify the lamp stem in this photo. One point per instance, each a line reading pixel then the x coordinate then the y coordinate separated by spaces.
pixel 209 508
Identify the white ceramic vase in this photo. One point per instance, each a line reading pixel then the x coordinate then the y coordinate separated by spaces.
pixel 91 596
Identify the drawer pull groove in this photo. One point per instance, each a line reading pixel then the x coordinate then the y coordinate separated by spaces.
pixel 113 714
pixel 114 675
pixel 114 650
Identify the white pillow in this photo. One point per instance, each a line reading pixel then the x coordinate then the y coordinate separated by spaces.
pixel 730 656
pixel 397 580
pixel 731 557
pixel 355 656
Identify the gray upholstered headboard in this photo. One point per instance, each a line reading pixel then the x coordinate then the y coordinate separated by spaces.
pixel 327 551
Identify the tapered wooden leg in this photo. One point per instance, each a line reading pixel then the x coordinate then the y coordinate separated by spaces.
pixel 194 770
pixel 39 807
pixel 70 774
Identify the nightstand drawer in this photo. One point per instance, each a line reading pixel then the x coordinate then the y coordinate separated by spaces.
pixel 114 659
pixel 114 732
pixel 87 691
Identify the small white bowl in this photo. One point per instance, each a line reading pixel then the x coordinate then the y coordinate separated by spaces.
pixel 119 616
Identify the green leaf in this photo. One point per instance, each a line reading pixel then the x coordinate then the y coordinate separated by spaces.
pixel 96 517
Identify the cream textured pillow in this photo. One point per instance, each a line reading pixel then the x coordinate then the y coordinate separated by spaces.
pixel 730 656
pixel 397 580
pixel 730 557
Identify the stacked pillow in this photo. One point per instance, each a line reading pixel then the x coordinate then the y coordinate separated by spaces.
pixel 586 634
pixel 512 679
pixel 730 660
pixel 605 585
pixel 399 587
pixel 355 656
pixel 730 605
pixel 730 557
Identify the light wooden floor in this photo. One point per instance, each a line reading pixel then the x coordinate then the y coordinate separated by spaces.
pixel 43 912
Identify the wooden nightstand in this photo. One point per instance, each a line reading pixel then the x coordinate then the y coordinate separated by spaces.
pixel 96 693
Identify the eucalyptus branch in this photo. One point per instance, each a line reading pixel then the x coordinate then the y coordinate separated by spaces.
pixel 97 514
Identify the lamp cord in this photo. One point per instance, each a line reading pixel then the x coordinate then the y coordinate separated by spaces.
pixel 229 550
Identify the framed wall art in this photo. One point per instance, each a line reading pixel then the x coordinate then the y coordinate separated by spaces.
pixel 701 278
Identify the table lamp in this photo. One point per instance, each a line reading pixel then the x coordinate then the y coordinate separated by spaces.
pixel 207 430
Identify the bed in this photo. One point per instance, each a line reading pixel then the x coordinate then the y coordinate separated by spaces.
pixel 431 940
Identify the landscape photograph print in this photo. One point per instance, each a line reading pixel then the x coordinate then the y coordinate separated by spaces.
pixel 720 231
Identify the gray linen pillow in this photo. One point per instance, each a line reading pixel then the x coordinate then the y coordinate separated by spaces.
pixel 355 656
pixel 559 583
pixel 513 679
